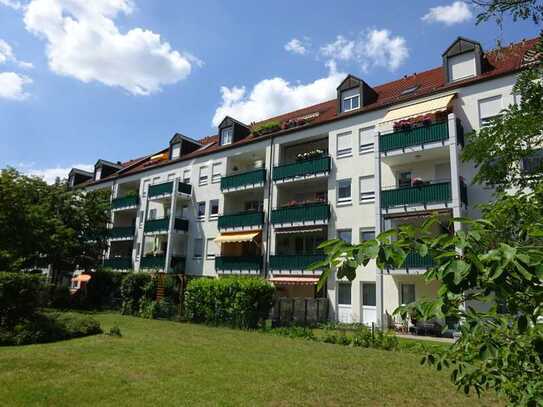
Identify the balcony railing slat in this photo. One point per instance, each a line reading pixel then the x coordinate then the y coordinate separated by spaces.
pixel 301 168
pixel 157 225
pixel 184 188
pixel 416 261
pixel 294 262
pixel 122 232
pixel 125 202
pixel 153 262
pixel 160 189
pixel 118 263
pixel 240 180
pixel 243 219
pixel 238 263
pixel 418 136
pixel 301 213
pixel 439 192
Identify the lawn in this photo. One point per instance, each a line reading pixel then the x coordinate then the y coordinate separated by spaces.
pixel 167 363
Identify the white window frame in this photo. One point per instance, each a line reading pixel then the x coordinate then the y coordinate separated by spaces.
pixel 365 230
pixel 201 254
pixel 344 284
pixel 485 120
pixel 209 244
pixel 213 216
pixel 227 136
pixel 171 177
pixel 176 151
pixel 366 148
pixel 216 175
pixel 340 231
pixel 366 196
pixel 348 151
pixel 203 176
pixel 186 179
pixel 350 100
pixel 345 200
pixel 202 216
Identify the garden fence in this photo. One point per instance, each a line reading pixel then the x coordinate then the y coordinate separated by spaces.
pixel 300 311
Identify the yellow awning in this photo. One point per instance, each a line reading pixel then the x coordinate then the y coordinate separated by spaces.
pixel 430 106
pixel 237 237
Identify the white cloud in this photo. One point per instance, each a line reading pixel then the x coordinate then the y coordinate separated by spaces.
pixel 7 55
pixel 11 4
pixel 12 86
pixel 49 175
pixel 341 49
pixel 455 13
pixel 274 96
pixel 296 46
pixel 84 42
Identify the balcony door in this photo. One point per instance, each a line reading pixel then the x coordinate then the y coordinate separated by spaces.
pixel 369 303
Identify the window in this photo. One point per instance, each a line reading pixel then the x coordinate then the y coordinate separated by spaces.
pixel 152 214
pixel 407 294
pixel 369 295
pixel 198 248
pixel 367 234
pixel 176 150
pixel 98 173
pixel 350 100
pixel 216 172
pixel 211 249
pixel 461 66
pixel 344 191
pixel 145 188
pixel 171 177
pixel 489 108
pixel 404 179
pixel 213 209
pixel 346 235
pixel 344 293
pixel 533 163
pixel 226 136
pixel 156 180
pixel 253 206
pixel 365 140
pixel 201 210
pixel 203 175
pixel 344 145
pixel 367 189
pixel 409 90
pixel 186 176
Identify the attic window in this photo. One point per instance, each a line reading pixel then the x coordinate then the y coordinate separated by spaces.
pixel 410 90
pixel 462 66
pixel 98 173
pixel 350 100
pixel 226 136
pixel 176 150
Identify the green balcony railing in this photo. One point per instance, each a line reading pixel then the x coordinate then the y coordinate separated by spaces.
pixel 242 219
pixel 414 137
pixel 416 261
pixel 181 224
pixel 294 262
pixel 424 194
pixel 238 263
pixel 301 168
pixel 125 202
pixel 184 188
pixel 118 263
pixel 153 262
pixel 157 225
pixel 255 177
pixel 122 232
pixel 160 189
pixel 301 213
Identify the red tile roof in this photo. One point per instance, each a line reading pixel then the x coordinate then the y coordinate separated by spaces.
pixel 495 63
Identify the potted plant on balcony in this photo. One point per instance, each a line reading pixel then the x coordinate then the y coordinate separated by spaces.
pixel 417 182
pixel 403 125
pixel 310 155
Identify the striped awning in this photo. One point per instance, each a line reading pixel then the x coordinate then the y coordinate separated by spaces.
pixel 237 237
pixel 287 280
pixel 430 106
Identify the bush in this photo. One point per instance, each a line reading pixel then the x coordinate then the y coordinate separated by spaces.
pixel 59 297
pixel 49 327
pixel 234 301
pixel 20 297
pixel 103 291
pixel 115 331
pixel 293 332
pixel 134 288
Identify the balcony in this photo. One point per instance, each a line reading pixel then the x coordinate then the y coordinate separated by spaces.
pixel 307 213
pixel 185 189
pixel 416 261
pixel 157 226
pixel 160 189
pixel 181 225
pixel 118 263
pixel 157 263
pixel 251 265
pixel 433 133
pixel 241 220
pixel 122 233
pixel 417 195
pixel 246 180
pixel 294 263
pixel 302 169
pixel 125 202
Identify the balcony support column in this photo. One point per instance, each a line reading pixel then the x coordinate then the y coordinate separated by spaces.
pixel 455 169
pixel 171 226
pixel 381 320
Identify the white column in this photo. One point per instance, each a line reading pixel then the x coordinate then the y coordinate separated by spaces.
pixel 267 208
pixel 144 204
pixel 379 288
pixel 171 230
pixel 455 169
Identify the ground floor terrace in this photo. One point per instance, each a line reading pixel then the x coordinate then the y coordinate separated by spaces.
pixel 177 364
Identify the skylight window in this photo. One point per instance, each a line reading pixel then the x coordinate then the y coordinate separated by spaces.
pixel 410 90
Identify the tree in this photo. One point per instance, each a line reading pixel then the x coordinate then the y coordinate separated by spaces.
pixel 50 224
pixel 518 9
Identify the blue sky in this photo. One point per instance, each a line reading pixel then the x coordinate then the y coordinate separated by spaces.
pixel 114 79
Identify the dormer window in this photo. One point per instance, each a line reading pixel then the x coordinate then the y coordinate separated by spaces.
pixel 176 151
pixel 226 136
pixel 98 173
pixel 461 66
pixel 462 60
pixel 350 100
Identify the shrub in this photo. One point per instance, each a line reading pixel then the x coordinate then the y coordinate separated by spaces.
pixel 115 331
pixel 103 291
pixel 20 296
pixel 48 328
pixel 134 287
pixel 59 297
pixel 293 332
pixel 235 301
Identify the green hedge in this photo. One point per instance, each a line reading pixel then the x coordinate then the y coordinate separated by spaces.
pixel 235 301
pixel 103 291
pixel 20 296
pixel 136 288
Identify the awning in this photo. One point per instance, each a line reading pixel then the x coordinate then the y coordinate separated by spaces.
pixel 82 278
pixel 430 106
pixel 237 237
pixel 295 280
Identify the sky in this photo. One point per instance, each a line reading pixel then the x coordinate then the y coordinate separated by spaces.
pixel 85 80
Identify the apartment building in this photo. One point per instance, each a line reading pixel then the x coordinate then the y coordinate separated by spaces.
pixel 257 199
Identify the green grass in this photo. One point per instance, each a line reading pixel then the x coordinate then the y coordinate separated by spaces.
pixel 167 363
